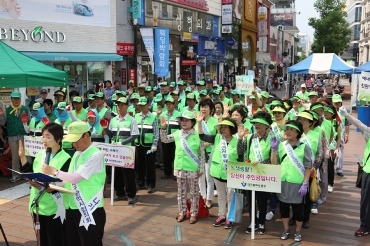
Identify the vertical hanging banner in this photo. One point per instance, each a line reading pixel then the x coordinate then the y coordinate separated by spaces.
pixel 148 39
pixel 161 51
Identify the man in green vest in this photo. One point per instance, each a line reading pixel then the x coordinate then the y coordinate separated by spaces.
pixel 85 214
pixel 146 146
pixel 15 117
pixel 104 112
pixel 79 111
pixel 91 102
pixel 59 96
pixel 123 130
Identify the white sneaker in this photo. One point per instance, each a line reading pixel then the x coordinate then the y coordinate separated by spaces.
pixel 215 194
pixel 330 189
pixel 269 215
pixel 314 211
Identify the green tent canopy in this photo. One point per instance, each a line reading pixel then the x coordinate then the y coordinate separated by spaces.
pixel 18 70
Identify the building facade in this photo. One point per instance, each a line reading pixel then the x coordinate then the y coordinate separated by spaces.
pixel 364 41
pixel 354 12
pixel 79 39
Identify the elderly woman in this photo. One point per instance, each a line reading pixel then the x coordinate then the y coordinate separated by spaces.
pixel 365 182
pixel 294 156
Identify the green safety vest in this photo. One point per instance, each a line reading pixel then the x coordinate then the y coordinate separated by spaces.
pixel 35 128
pixel 102 112
pixel 88 188
pixel 248 125
pixel 121 130
pixel 14 123
pixel 289 172
pixel 172 123
pixel 65 145
pixel 313 138
pixel 217 169
pixel 327 128
pixel 82 115
pixel 211 123
pixel 265 148
pixel 146 137
pixel 182 159
pixel 366 166
pixel 47 205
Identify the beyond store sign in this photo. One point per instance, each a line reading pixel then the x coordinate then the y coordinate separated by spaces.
pixel 37 35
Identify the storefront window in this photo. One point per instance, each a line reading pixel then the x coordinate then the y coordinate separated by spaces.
pixel 211 70
pixel 77 75
pixel 95 73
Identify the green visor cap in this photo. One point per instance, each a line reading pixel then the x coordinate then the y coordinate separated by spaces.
pixel 305 115
pixel 62 105
pixel 114 97
pixel 260 120
pixel 15 94
pixel 290 125
pixel 120 93
pixel 216 92
pixel 315 115
pixel 336 98
pixel 99 94
pixel 135 96
pixel 188 89
pixel 275 103
pixel 295 99
pixel 235 92
pixel 169 99
pixel 77 99
pixel 317 106
pixel 190 96
pixel 143 101
pixel 327 109
pixel 313 93
pixel 175 93
pixel 224 122
pixel 91 97
pixel 173 84
pixel 253 97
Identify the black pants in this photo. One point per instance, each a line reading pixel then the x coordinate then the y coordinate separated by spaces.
pixel 297 210
pixel 307 205
pixel 125 182
pixel 145 167
pixel 365 202
pixel 168 157
pixel 331 170
pixel 78 235
pixel 52 231
pixel 261 198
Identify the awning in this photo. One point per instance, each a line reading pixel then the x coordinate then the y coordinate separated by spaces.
pixel 69 56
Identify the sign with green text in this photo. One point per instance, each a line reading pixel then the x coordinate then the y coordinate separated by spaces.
pixel 259 177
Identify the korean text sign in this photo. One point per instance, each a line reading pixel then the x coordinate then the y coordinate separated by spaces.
pixel 259 177
pixel 32 145
pixel 161 51
pixel 118 155
pixel 244 83
pixel 364 87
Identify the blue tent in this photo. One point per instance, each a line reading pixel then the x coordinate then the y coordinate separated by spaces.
pixel 363 68
pixel 322 63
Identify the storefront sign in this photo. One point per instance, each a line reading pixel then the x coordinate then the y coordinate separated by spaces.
pixel 148 39
pixel 244 83
pixel 199 4
pixel 125 48
pixel 117 155
pixel 227 29
pixel 281 19
pixel 123 76
pixel 132 74
pixel 36 35
pixel 188 62
pixel 262 13
pixel 259 177
pixel 227 14
pixel 135 9
pixel 227 1
pixel 161 51
pixel 231 42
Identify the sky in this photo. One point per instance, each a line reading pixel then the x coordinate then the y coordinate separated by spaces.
pixel 306 10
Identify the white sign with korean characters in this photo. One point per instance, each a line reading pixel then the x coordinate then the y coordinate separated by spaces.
pixel 118 155
pixel 32 145
pixel 227 14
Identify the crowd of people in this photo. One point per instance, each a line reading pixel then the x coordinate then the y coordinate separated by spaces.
pixel 191 131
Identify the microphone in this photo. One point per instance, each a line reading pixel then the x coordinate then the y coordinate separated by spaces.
pixel 47 157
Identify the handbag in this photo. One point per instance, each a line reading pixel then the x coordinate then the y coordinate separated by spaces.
pixel 236 208
pixel 360 172
pixel 315 189
pixel 202 209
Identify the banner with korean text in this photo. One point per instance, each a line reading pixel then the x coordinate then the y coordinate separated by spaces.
pixel 148 40
pixel 32 145
pixel 161 51
pixel 244 83
pixel 118 155
pixel 259 177
pixel 364 87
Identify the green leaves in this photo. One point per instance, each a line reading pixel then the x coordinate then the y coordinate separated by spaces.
pixel 37 30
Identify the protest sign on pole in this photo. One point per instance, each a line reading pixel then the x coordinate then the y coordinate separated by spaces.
pixel 117 155
pixel 244 83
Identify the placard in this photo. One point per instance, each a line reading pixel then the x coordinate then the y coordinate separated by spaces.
pixel 259 177
pixel 244 83
pixel 118 155
pixel 32 145
pixel 364 87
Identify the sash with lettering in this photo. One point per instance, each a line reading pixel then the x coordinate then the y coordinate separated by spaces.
pixel 305 140
pixel 86 208
pixel 276 132
pixel 224 155
pixel 293 157
pixel 291 112
pixel 257 149
pixel 188 150
pixel 205 128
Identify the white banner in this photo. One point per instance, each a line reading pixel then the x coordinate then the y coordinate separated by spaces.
pixel 78 12
pixel 227 14
pixel 118 155
pixel 148 39
pixel 364 87
pixel 32 145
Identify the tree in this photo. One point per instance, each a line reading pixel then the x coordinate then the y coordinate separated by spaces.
pixel 331 29
pixel 302 57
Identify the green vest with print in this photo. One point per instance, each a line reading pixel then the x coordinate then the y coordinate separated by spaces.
pixel 217 169
pixel 172 122
pixel 82 115
pixel 35 128
pixel 182 159
pixel 265 148
pixel 211 122
pixel 121 129
pixel 366 166
pixel 146 137
pixel 88 188
pixel 289 171
pixel 14 123
pixel 47 205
